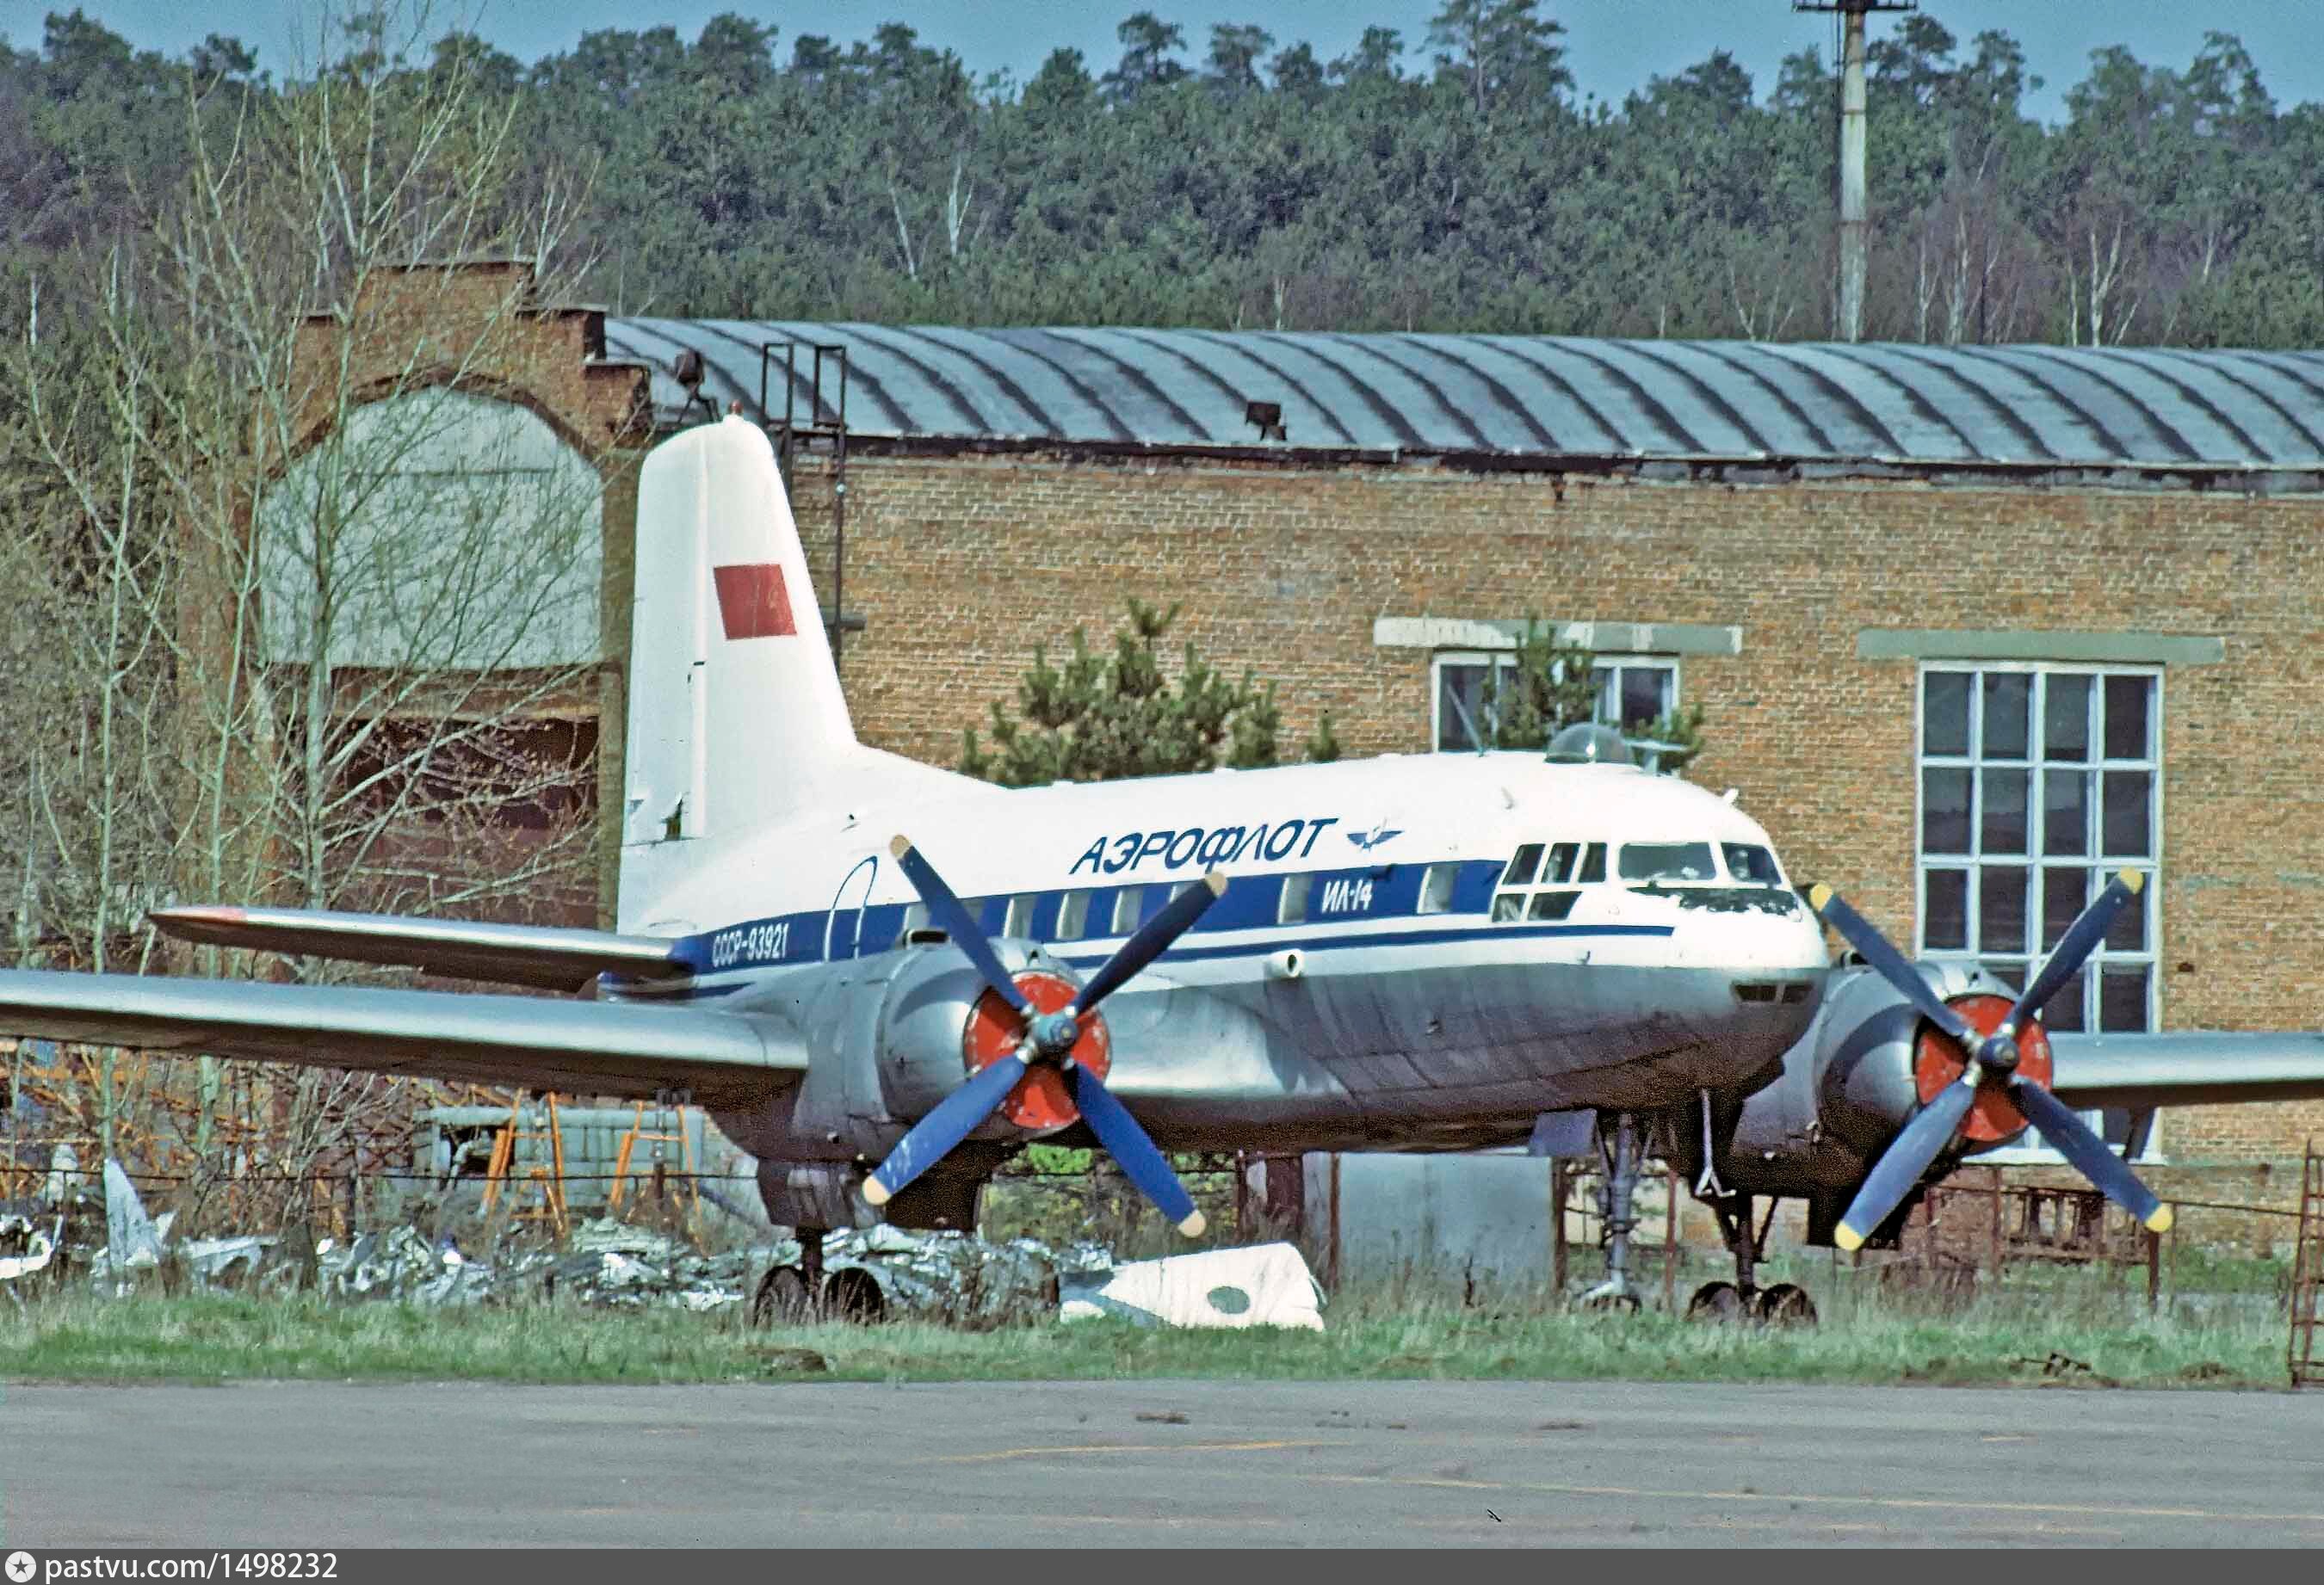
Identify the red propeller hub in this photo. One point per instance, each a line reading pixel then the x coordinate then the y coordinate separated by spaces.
pixel 1041 1102
pixel 1938 1062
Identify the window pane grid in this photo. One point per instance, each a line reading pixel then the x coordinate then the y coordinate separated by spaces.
pixel 1633 692
pixel 2036 784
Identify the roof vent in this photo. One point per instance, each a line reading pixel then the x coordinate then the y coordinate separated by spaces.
pixel 688 371
pixel 1268 417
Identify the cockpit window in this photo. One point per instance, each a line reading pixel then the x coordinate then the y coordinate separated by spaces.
pixel 1750 864
pixel 1546 864
pixel 1563 858
pixel 1667 861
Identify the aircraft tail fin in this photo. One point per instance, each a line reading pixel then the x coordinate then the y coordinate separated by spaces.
pixel 736 721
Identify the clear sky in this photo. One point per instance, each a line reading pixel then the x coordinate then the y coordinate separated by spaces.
pixel 1613 45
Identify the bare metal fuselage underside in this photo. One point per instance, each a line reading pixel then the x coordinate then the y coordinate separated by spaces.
pixel 1431 1058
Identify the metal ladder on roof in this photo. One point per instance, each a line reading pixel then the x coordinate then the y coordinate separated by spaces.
pixel 824 422
pixel 2308 1274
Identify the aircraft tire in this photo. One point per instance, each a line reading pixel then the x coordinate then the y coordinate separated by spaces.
pixel 1785 1304
pixel 781 1298
pixel 1716 1301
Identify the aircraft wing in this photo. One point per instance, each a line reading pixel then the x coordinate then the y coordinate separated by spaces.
pixel 507 954
pixel 576 1047
pixel 2185 1069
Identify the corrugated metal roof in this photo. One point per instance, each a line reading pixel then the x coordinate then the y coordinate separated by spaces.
pixel 1525 396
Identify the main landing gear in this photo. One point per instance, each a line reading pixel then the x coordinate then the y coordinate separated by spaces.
pixel 794 1296
pixel 1782 1305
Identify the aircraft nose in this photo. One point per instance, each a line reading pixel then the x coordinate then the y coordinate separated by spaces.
pixel 1772 957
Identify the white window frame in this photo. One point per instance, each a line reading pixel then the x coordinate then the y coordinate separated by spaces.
pixel 2099 864
pixel 1498 660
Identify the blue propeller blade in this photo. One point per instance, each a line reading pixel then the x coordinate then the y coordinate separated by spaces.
pixel 1146 1168
pixel 1892 1178
pixel 954 1119
pixel 2098 1163
pixel 2081 939
pixel 1153 939
pixel 1891 965
pixel 947 914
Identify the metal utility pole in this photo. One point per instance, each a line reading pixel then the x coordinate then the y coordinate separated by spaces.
pixel 1852 227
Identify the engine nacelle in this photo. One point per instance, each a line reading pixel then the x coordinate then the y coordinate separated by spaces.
pixel 1847 1088
pixel 884 1034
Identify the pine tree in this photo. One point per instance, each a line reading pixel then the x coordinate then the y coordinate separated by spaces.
pixel 1100 718
pixel 1550 685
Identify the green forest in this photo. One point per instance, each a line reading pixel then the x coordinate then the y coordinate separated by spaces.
pixel 1449 181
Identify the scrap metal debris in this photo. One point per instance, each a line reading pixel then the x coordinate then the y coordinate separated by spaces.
pixel 29 1248
pixel 949 1277
pixel 955 1278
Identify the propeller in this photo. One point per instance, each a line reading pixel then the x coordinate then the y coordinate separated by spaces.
pixel 1991 1069
pixel 1050 1035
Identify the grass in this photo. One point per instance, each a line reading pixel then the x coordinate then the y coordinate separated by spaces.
pixel 1866 1336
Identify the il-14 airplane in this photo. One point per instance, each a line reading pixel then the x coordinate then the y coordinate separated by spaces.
pixel 1407 953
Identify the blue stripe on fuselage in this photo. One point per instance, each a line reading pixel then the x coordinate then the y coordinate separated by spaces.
pixel 1365 894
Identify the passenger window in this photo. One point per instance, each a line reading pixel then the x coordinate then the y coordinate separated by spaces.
pixel 1436 887
pixel 1551 905
pixel 1563 857
pixel 1593 865
pixel 1126 903
pixel 1072 915
pixel 1521 867
pixel 1667 861
pixel 1292 908
pixel 1750 864
pixel 1019 921
pixel 1508 906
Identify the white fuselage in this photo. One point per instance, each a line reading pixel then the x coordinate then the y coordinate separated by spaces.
pixel 1407 986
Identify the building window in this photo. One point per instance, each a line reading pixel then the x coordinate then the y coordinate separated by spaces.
pixel 2037 783
pixel 1634 691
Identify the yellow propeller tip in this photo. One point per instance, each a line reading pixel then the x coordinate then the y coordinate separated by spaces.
pixel 899 847
pixel 1217 882
pixel 875 1193
pixel 1193 1225
pixel 1848 1238
pixel 2160 1222
pixel 2135 882
pixel 1817 896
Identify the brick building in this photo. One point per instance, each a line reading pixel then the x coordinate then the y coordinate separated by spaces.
pixel 1969 624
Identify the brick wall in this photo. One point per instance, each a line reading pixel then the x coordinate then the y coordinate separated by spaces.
pixel 960 564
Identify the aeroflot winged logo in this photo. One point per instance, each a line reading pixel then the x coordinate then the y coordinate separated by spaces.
pixel 1211 847
pixel 1368 840
pixel 752 602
